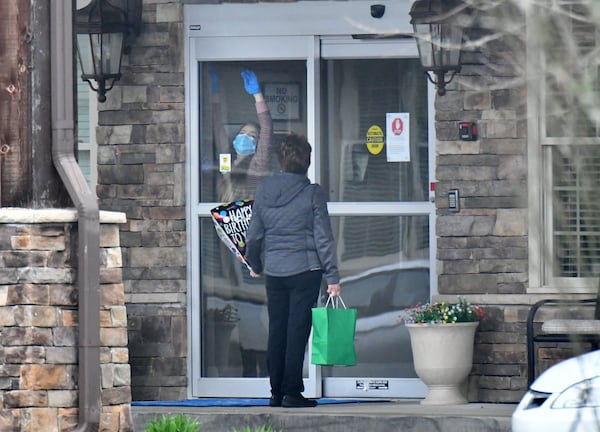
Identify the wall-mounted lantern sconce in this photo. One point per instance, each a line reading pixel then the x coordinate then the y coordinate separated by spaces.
pixel 439 38
pixel 104 29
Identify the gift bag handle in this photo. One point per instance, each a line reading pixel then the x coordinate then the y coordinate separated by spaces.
pixel 335 300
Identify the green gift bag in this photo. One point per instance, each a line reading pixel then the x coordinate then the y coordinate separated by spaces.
pixel 333 334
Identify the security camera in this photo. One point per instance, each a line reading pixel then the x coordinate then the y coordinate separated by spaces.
pixel 377 10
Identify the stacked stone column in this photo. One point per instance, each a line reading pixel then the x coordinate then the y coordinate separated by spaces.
pixel 39 323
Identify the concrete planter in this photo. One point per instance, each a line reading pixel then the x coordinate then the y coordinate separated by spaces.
pixel 443 358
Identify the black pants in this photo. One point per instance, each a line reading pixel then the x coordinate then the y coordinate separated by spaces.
pixel 254 363
pixel 290 301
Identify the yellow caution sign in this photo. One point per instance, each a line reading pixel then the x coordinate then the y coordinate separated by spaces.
pixel 375 140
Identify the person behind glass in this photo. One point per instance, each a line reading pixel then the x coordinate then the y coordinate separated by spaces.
pixel 290 226
pixel 251 144
pixel 250 164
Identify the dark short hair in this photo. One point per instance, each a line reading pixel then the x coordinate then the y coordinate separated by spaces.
pixel 294 154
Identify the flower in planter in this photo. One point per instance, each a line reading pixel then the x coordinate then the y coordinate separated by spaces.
pixel 443 313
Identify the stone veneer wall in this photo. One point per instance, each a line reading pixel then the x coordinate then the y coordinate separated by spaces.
pixel 482 250
pixel 141 172
pixel 38 314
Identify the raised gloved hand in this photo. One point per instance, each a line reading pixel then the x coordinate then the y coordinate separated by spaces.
pixel 214 80
pixel 250 82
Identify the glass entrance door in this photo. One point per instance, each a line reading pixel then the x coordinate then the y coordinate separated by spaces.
pixel 233 330
pixel 375 163
pixel 228 308
pixel 364 106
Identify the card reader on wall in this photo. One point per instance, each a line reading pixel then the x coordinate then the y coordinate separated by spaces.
pixel 453 200
pixel 467 131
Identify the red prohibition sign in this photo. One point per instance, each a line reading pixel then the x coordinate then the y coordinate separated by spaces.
pixel 397 126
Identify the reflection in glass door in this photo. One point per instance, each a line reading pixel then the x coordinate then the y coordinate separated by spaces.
pixel 233 328
pixel 384 235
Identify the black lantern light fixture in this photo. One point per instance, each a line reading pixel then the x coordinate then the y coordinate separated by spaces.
pixel 439 38
pixel 104 30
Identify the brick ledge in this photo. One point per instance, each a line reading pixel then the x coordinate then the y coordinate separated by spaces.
pixel 507 299
pixel 24 215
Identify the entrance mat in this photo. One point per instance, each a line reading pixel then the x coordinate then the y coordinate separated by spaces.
pixel 240 402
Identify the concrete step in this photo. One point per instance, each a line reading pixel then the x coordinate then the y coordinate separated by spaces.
pixel 349 417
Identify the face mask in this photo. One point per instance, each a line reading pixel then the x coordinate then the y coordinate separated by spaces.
pixel 244 145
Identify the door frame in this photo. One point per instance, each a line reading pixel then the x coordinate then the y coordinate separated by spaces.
pixel 231 49
pixel 220 32
pixel 341 48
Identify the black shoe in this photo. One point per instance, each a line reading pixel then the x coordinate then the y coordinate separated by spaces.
pixel 297 401
pixel 275 401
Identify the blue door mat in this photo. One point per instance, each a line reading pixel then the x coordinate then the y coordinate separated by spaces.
pixel 240 402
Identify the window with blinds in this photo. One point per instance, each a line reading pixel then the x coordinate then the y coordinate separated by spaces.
pixel 571 137
pixel 87 119
pixel 83 127
pixel 576 175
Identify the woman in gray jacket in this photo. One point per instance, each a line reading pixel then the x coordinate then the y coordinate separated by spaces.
pixel 290 226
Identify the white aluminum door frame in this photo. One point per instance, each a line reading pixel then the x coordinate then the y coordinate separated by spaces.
pixel 344 48
pixel 200 49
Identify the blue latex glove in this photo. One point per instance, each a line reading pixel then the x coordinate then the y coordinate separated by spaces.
pixel 214 80
pixel 250 82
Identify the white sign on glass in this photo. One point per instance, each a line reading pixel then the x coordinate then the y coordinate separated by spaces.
pixel 397 137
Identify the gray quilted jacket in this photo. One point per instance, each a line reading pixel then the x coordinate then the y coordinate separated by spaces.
pixel 290 226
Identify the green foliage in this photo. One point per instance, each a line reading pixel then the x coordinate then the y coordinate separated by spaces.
pixel 181 423
pixel 177 423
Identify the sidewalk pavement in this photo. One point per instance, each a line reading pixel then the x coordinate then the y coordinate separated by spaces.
pixel 388 416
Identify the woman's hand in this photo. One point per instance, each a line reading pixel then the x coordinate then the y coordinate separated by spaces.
pixel 254 275
pixel 250 82
pixel 334 290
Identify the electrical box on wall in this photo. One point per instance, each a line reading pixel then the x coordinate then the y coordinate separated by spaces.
pixel 467 131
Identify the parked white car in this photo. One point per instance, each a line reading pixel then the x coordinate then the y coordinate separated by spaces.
pixel 564 398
